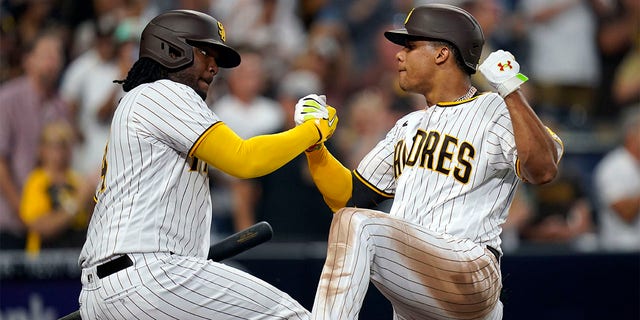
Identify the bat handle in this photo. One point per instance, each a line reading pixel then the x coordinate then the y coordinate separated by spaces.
pixel 72 316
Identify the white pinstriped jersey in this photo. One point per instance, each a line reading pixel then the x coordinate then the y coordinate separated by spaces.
pixel 451 168
pixel 153 197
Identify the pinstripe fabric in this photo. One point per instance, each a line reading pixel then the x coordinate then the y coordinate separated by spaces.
pixel 452 171
pixel 425 275
pixel 451 168
pixel 154 200
pixel 165 286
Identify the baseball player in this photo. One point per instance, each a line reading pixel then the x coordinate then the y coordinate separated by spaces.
pixel 452 170
pixel 148 239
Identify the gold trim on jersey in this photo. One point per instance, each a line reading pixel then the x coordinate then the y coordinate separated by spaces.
pixel 371 186
pixel 455 103
pixel 470 95
pixel 557 139
pixel 518 172
pixel 202 137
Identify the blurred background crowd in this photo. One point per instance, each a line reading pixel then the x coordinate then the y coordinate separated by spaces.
pixel 58 60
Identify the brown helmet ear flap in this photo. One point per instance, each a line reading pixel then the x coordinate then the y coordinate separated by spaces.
pixel 160 47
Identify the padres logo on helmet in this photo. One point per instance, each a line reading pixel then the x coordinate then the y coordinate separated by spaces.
pixel 221 32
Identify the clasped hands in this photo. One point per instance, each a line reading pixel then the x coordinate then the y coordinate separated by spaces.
pixel 314 108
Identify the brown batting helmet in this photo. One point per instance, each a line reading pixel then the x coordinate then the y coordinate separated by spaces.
pixel 443 22
pixel 169 37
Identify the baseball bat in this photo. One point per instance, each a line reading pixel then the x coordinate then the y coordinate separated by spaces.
pixel 228 247
pixel 244 240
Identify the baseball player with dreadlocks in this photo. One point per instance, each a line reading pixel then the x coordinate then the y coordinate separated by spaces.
pixel 452 170
pixel 148 239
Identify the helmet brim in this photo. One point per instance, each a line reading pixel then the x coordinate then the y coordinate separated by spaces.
pixel 401 36
pixel 398 36
pixel 227 57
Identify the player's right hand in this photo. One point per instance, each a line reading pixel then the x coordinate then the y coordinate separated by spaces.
pixel 502 71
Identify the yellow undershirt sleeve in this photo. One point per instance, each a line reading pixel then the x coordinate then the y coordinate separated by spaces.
pixel 222 148
pixel 331 177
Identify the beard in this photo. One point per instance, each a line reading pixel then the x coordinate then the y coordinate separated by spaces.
pixel 190 80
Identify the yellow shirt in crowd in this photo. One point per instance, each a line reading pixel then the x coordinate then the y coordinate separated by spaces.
pixel 38 200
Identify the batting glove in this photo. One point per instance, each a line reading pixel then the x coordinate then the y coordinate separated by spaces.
pixel 326 127
pixel 502 71
pixel 310 107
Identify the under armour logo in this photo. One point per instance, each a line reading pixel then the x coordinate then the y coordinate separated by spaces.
pixel 502 66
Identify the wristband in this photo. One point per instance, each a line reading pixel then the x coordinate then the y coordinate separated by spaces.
pixel 511 85
pixel 314 147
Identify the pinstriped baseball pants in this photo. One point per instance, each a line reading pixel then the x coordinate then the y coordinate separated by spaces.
pixel 424 274
pixel 166 286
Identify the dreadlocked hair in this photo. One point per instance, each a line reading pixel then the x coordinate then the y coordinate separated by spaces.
pixel 145 70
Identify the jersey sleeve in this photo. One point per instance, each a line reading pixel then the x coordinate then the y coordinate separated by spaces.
pixel 173 114
pixel 501 142
pixel 376 168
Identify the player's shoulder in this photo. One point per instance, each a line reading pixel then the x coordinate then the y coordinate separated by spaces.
pixel 488 98
pixel 488 95
pixel 417 114
pixel 165 89
pixel 489 101
pixel 163 85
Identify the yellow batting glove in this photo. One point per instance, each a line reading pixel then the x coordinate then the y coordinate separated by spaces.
pixel 326 128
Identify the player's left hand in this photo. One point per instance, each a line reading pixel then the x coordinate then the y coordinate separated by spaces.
pixel 326 127
pixel 310 107
pixel 502 71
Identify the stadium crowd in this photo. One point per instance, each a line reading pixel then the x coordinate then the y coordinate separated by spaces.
pixel 58 60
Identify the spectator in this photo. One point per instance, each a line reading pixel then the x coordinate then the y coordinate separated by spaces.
pixel 293 181
pixel 28 102
pixel 20 24
pixel 559 213
pixel 87 86
pixel 489 16
pixel 563 58
pixel 618 34
pixel 381 74
pixel 270 26
pixel 55 199
pixel 367 121
pixel 328 54
pixel 246 100
pixel 626 81
pixel 617 182
pixel 247 111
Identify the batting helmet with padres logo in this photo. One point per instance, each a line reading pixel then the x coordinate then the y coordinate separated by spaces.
pixel 169 39
pixel 443 22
